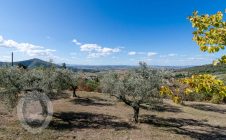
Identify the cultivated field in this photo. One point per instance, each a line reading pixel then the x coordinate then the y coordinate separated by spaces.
pixel 96 116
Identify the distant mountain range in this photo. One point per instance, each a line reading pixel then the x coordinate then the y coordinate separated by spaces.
pixel 33 63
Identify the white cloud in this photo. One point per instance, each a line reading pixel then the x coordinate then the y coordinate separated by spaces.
pixel 162 56
pixel 76 42
pixel 29 49
pixel 1 38
pixel 89 47
pixel 196 58
pixel 172 54
pixel 141 53
pixel 132 53
pixel 150 54
pixel 95 50
pixel 45 52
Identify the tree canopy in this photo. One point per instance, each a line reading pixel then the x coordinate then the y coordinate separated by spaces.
pixel 210 33
pixel 134 87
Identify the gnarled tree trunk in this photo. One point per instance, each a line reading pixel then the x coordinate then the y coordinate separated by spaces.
pixel 74 91
pixel 136 110
pixel 134 105
pixel 44 107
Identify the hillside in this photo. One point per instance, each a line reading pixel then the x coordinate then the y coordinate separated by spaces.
pixel 31 63
pixel 219 69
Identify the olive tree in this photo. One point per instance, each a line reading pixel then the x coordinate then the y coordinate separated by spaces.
pixel 134 87
pixel 69 79
pixel 73 82
pixel 10 85
pixel 16 81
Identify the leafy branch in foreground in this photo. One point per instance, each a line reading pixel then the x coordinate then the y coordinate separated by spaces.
pixel 210 33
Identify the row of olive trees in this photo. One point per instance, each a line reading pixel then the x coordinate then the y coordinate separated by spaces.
pixel 17 81
pixel 134 87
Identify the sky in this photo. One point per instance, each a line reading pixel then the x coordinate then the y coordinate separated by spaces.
pixel 104 32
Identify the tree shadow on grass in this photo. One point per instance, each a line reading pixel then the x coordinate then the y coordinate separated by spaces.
pixel 163 108
pixel 206 107
pixel 192 128
pixel 60 95
pixel 85 120
pixel 89 102
pixel 99 99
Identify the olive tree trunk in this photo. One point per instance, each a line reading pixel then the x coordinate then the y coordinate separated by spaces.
pixel 134 105
pixel 74 91
pixel 136 110
pixel 44 107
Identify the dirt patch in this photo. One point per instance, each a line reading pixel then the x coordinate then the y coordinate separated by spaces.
pixel 97 116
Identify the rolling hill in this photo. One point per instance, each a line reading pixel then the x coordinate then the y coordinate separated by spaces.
pixel 31 63
pixel 210 68
pixel 35 62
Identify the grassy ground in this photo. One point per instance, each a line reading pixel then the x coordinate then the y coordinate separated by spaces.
pixel 95 116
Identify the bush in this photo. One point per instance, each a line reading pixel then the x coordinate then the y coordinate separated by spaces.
pixel 89 84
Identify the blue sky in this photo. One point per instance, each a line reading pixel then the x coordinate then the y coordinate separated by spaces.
pixel 103 32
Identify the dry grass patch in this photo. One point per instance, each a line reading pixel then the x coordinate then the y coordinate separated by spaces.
pixel 96 116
